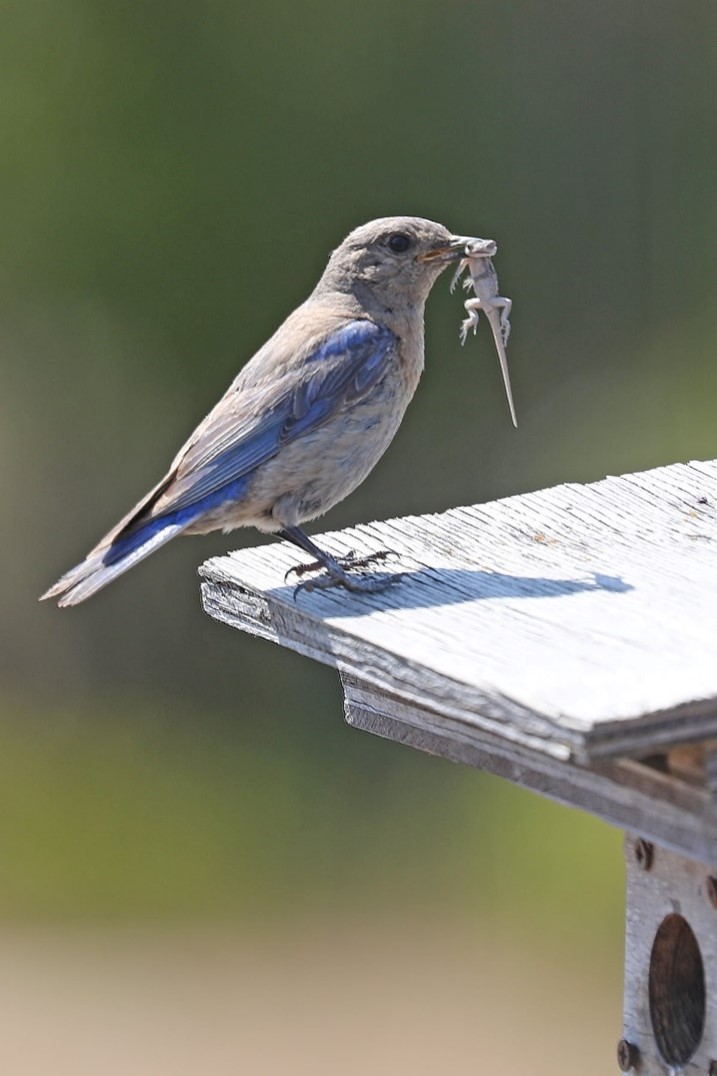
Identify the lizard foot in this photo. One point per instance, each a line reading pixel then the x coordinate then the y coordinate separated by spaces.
pixel 466 326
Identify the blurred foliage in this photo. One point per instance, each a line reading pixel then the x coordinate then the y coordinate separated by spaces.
pixel 155 815
pixel 173 176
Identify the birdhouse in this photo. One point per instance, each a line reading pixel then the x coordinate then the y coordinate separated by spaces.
pixel 565 640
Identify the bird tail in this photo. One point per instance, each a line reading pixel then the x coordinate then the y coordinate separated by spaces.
pixel 107 561
pixel 136 535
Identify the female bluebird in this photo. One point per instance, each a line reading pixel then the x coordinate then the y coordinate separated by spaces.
pixel 306 419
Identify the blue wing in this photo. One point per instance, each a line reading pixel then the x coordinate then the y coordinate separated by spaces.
pixel 249 428
pixel 279 401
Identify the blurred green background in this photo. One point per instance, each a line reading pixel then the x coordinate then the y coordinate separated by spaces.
pixel 173 176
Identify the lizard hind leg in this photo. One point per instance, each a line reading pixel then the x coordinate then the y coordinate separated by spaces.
pixel 471 322
pixel 505 308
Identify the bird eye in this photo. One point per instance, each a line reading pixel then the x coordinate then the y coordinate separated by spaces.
pixel 398 242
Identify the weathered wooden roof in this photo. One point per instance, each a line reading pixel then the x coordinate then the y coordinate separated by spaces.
pixel 577 624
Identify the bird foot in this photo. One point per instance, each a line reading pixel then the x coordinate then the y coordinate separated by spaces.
pixel 374 584
pixel 335 573
pixel 346 563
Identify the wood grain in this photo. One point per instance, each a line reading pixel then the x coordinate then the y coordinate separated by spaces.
pixel 579 621
pixel 673 886
pixel 626 793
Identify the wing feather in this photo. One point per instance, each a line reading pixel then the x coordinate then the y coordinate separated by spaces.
pixel 248 428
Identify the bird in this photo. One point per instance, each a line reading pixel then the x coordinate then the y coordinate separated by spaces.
pixel 305 420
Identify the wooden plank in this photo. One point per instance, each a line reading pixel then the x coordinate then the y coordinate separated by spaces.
pixel 579 621
pixel 670 977
pixel 623 792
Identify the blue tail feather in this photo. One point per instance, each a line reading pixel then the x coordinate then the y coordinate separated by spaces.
pixel 139 533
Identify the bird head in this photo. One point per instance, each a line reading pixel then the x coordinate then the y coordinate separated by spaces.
pixel 396 258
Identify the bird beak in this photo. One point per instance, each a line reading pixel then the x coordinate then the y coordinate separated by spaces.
pixel 449 252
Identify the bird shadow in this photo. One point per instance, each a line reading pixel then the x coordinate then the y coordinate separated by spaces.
pixel 433 587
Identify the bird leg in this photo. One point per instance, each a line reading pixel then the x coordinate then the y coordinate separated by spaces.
pixel 337 570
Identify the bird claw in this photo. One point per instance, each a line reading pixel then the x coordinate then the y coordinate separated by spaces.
pixel 374 584
pixel 347 563
pixel 337 574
